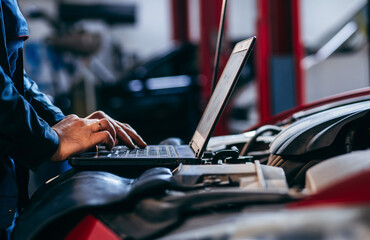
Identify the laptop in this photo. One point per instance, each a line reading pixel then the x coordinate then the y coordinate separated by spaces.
pixel 169 155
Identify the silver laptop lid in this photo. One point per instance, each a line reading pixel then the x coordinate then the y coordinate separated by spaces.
pixel 220 96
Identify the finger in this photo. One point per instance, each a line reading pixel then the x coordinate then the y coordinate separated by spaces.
pixel 122 135
pixel 97 115
pixel 125 138
pixel 124 131
pixel 133 135
pixel 103 137
pixel 106 125
pixel 96 126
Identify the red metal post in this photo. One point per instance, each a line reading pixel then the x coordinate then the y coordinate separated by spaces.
pixel 279 54
pixel 210 11
pixel 263 55
pixel 180 26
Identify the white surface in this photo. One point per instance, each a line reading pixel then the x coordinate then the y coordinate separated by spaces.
pixel 319 17
pixel 337 169
pixel 339 73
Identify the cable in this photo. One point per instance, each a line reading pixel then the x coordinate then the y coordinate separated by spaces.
pixel 259 132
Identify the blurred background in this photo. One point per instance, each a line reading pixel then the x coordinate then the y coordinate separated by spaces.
pixel 150 63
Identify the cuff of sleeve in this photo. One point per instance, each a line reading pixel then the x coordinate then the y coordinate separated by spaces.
pixel 58 117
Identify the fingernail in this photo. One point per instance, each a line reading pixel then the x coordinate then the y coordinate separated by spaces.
pixel 143 141
pixel 132 145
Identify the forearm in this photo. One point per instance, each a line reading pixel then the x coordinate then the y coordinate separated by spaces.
pixel 41 103
pixel 23 134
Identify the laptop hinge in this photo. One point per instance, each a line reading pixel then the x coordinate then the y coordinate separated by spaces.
pixel 195 148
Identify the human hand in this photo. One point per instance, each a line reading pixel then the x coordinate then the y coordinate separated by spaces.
pixel 77 135
pixel 124 132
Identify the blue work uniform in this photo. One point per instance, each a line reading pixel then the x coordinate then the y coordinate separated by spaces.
pixel 26 117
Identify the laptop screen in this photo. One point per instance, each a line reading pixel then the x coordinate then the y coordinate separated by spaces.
pixel 220 96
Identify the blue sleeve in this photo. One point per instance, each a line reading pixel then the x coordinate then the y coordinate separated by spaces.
pixel 24 135
pixel 41 103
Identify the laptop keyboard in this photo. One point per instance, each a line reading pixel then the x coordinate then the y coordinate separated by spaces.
pixel 149 151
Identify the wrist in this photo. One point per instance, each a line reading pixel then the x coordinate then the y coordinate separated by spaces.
pixel 57 156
